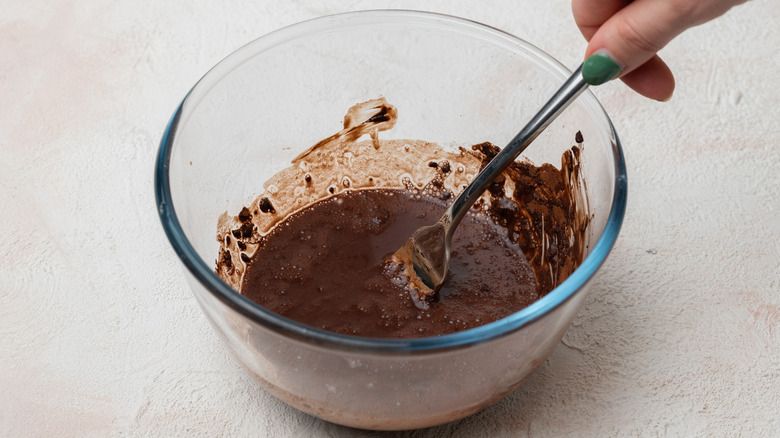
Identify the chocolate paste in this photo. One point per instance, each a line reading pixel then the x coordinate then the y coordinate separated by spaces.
pixel 315 246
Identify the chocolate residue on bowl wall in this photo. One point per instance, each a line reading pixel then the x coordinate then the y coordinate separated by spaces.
pixel 540 210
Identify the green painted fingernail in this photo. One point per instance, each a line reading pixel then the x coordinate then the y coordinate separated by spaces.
pixel 600 67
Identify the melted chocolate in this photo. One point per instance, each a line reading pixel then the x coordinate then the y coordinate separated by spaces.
pixel 317 247
pixel 328 266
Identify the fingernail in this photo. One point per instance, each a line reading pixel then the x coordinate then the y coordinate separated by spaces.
pixel 667 99
pixel 600 67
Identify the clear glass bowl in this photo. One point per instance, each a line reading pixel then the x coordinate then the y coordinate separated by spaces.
pixel 454 82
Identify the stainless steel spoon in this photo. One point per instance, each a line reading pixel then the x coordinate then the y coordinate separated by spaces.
pixel 429 246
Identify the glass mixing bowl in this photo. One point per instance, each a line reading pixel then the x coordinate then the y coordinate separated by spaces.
pixel 455 82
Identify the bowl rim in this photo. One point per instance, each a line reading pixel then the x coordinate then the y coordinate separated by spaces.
pixel 296 330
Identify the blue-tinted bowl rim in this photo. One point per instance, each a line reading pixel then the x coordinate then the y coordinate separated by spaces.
pixel 287 327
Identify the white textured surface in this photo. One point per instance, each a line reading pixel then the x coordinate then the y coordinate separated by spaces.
pixel 100 336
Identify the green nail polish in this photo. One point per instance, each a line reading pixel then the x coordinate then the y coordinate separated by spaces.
pixel 599 68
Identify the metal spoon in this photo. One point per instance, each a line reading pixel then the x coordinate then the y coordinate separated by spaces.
pixel 429 246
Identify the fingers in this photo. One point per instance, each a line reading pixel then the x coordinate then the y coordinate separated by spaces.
pixel 635 33
pixel 653 79
pixel 590 15
pixel 631 32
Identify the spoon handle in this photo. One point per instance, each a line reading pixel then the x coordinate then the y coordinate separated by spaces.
pixel 573 87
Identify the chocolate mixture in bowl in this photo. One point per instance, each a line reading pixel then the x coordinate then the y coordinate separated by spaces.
pixel 316 246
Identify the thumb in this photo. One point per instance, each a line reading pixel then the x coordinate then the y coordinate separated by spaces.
pixel 625 45
pixel 637 32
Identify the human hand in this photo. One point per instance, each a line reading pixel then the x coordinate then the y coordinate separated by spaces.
pixel 631 32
